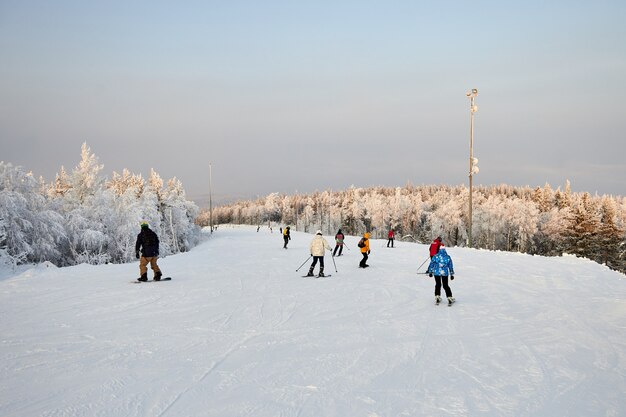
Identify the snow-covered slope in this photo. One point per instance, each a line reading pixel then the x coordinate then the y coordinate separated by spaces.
pixel 238 332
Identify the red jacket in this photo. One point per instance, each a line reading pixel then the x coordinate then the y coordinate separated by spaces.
pixel 390 234
pixel 434 247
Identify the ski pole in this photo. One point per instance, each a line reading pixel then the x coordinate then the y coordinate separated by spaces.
pixel 418 268
pixel 307 260
pixel 334 263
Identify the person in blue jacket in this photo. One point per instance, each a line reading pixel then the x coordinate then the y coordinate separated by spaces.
pixel 441 267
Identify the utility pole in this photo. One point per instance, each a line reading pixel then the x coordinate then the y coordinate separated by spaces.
pixel 210 199
pixel 473 162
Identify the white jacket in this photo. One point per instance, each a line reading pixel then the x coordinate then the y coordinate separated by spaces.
pixel 318 244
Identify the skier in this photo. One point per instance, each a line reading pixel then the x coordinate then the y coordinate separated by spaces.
pixel 364 244
pixel 434 248
pixel 148 243
pixel 441 266
pixel 286 236
pixel 318 247
pixel 390 237
pixel 338 242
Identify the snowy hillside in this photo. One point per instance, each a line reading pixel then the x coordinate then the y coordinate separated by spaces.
pixel 238 332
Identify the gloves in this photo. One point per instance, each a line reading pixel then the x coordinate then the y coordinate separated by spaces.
pixel 452 277
pixel 137 254
pixel 430 274
pixel 369 251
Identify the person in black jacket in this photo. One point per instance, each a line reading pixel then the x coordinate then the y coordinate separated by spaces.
pixel 148 243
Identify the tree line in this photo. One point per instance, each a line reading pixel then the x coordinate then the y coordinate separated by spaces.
pixel 83 217
pixel 537 220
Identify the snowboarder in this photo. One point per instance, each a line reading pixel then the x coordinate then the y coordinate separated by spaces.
pixel 148 243
pixel 441 266
pixel 434 248
pixel 364 244
pixel 286 236
pixel 318 248
pixel 390 237
pixel 338 242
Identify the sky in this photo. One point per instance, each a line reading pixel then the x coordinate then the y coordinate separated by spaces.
pixel 280 96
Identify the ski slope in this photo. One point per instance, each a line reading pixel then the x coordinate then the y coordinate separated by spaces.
pixel 238 332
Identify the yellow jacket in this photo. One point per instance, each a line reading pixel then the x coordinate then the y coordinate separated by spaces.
pixel 366 240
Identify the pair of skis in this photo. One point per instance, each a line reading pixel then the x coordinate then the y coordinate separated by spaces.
pixel 450 302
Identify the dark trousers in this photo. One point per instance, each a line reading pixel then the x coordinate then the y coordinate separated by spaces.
pixel 338 246
pixel 438 282
pixel 363 262
pixel 315 258
pixel 390 241
pixel 286 241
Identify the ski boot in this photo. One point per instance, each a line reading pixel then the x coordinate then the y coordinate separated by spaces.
pixel 143 277
pixel 437 299
pixel 157 276
pixel 321 274
pixel 310 274
pixel 451 300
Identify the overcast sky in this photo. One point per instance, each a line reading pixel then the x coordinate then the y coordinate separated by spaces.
pixel 286 96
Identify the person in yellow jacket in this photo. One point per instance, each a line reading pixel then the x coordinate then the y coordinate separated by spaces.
pixel 286 237
pixel 364 244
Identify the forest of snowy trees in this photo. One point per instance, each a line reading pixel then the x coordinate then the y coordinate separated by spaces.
pixel 82 217
pixel 537 221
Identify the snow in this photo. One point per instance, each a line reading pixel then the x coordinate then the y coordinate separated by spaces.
pixel 238 332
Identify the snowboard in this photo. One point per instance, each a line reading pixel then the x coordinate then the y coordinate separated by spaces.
pixel 151 280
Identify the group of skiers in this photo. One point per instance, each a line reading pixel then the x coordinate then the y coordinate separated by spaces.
pixel 440 267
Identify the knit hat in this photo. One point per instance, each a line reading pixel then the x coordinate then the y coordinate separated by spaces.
pixel 319 232
pixel 144 225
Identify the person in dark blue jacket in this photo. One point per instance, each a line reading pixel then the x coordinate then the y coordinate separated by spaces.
pixel 441 267
pixel 148 243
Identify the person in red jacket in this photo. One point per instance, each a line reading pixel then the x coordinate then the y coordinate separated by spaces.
pixel 434 249
pixel 390 237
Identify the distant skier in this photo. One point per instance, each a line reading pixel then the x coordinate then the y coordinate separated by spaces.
pixel 286 237
pixel 441 266
pixel 390 238
pixel 364 244
pixel 318 248
pixel 338 242
pixel 434 248
pixel 148 243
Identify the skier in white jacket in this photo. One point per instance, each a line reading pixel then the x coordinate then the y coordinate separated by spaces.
pixel 318 247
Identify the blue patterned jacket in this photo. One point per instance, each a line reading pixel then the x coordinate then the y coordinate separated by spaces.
pixel 441 264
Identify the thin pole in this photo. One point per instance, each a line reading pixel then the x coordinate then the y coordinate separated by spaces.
pixel 418 268
pixel 471 95
pixel 471 163
pixel 307 260
pixel 210 199
pixel 333 258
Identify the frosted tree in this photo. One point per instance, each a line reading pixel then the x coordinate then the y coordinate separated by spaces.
pixel 272 207
pixel 179 214
pixel 61 184
pixel 31 230
pixel 610 235
pixel 86 178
